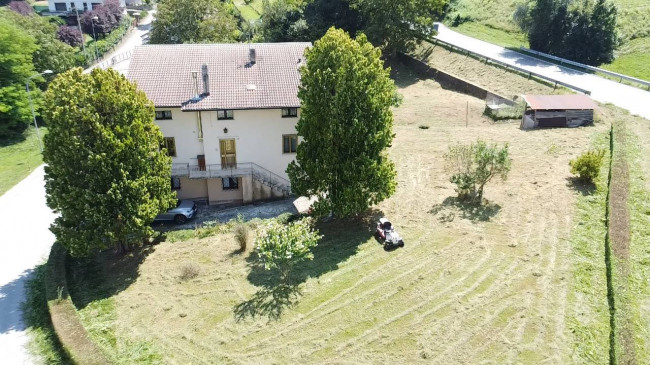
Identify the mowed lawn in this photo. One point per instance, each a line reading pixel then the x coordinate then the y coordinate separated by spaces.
pixel 492 21
pixel 18 158
pixel 489 285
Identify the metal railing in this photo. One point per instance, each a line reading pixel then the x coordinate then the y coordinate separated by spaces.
pixel 258 172
pixel 115 60
pixel 563 61
pixel 507 66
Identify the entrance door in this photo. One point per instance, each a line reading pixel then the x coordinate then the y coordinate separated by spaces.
pixel 228 153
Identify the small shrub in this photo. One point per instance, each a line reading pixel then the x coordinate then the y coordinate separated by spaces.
pixel 587 166
pixel 189 271
pixel 241 236
pixel 423 126
pixel 281 246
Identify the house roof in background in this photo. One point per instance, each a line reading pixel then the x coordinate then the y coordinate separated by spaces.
pixel 560 102
pixel 164 73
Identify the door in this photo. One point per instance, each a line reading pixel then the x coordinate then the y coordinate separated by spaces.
pixel 228 153
pixel 200 159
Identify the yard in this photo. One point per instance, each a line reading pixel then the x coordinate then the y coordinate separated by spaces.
pixel 520 280
pixel 18 158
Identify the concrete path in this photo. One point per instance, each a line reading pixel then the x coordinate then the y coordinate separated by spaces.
pixel 637 101
pixel 25 241
pixel 25 238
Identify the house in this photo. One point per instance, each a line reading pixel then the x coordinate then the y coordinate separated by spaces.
pixel 62 7
pixel 228 113
pixel 544 111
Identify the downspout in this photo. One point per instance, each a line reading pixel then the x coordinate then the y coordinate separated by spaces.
pixel 199 125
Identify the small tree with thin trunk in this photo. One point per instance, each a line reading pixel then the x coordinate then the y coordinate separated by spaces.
pixel 474 165
pixel 106 174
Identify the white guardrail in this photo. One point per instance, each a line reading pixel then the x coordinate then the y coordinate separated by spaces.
pixel 508 66
pixel 115 60
pixel 562 61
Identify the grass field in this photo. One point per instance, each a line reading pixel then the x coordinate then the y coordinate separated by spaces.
pixel 520 280
pixel 492 21
pixel 18 158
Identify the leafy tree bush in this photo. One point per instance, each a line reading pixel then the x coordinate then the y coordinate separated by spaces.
pixel 475 165
pixel 108 18
pixel 345 126
pixel 324 14
pixel 283 21
pixel 70 35
pixel 105 173
pixel 587 166
pixel 50 53
pixel 16 49
pixel 394 25
pixel 584 34
pixel 281 246
pixel 180 21
pixel 21 7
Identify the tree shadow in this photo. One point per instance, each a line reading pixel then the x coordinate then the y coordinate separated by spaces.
pixel 341 240
pixel 103 275
pixel 268 302
pixel 581 186
pixel 402 74
pixel 451 207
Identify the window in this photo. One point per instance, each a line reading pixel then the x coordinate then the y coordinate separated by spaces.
pixel 85 7
pixel 225 114
pixel 73 6
pixel 170 144
pixel 60 7
pixel 289 112
pixel 163 114
pixel 289 143
pixel 176 183
pixel 230 183
pixel 94 5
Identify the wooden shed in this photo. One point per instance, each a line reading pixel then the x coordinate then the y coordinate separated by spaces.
pixel 548 111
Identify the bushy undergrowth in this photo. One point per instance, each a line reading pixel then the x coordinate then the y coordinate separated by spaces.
pixel 587 166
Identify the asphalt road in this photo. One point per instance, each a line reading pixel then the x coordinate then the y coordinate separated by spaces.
pixel 25 238
pixel 636 100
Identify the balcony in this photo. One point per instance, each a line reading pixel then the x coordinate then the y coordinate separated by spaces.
pixel 180 169
pixel 220 171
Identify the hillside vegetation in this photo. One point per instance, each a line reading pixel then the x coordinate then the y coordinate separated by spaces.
pixel 492 21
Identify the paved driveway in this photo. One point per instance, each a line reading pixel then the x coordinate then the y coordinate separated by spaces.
pixel 635 100
pixel 25 241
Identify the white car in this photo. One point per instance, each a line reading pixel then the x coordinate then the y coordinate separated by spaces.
pixel 184 210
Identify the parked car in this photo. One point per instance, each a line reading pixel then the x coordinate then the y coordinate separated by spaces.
pixel 181 213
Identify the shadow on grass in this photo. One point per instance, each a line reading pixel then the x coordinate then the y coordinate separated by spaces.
pixel 402 74
pixel 583 187
pixel 452 206
pixel 103 275
pixel 341 240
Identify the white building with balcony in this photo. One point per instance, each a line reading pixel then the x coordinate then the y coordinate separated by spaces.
pixel 63 7
pixel 228 113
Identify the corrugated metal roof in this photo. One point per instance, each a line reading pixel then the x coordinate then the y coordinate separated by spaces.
pixel 164 73
pixel 560 102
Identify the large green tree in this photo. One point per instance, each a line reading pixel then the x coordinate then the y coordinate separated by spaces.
pixel 345 126
pixel 283 21
pixel 200 21
pixel 396 25
pixel 105 173
pixel 16 49
pixel 51 53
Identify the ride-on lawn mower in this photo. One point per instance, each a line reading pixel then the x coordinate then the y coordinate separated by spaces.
pixel 387 235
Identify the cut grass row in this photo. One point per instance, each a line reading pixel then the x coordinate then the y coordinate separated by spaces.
pixel 18 158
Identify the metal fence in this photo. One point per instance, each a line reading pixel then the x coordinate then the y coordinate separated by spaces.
pixel 115 60
pixel 563 61
pixel 507 66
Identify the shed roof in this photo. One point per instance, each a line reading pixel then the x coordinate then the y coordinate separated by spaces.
pixel 164 73
pixel 560 102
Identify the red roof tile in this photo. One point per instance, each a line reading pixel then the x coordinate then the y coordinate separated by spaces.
pixel 164 73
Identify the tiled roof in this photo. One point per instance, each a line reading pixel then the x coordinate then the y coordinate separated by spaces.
pixel 164 73
pixel 560 102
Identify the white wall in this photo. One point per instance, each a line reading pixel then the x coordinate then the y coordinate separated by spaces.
pixel 184 128
pixel 258 137
pixel 79 4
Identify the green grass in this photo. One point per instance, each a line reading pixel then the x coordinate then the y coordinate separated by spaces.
pixel 18 158
pixel 249 12
pixel 43 341
pixel 493 35
pixel 588 316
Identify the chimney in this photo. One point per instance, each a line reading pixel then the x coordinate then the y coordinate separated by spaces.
pixel 252 57
pixel 206 79
pixel 196 84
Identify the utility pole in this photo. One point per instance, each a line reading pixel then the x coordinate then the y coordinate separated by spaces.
pixel 83 39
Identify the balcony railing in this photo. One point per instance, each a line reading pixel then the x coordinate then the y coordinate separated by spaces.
pixel 180 169
pixel 220 171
